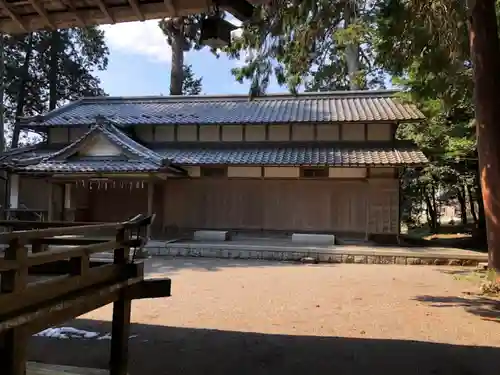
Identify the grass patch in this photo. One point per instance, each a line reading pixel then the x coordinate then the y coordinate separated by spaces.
pixel 485 280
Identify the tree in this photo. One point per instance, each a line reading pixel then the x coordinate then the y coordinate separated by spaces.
pixel 448 21
pixel 45 69
pixel 322 44
pixel 183 34
pixel 190 84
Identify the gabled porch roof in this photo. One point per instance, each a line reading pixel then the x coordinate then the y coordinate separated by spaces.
pixel 128 155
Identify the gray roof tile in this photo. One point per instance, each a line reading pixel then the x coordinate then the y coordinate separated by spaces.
pixel 327 154
pixel 348 106
pixel 136 156
pixel 346 154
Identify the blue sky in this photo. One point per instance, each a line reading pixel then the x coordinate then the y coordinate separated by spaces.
pixel 139 64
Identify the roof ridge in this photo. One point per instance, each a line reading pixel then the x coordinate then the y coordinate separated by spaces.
pixel 243 97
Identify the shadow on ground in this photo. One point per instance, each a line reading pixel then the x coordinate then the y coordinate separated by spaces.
pixel 159 350
pixel 168 265
pixel 486 308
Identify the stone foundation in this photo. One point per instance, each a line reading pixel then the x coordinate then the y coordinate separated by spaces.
pixel 319 257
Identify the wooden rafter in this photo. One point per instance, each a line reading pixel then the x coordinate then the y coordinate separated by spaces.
pixel 71 6
pixel 12 15
pixel 43 13
pixel 169 4
pixel 135 7
pixel 105 11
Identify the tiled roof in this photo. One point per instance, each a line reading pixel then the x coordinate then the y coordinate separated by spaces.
pixel 90 166
pixel 342 106
pixel 325 154
pixel 346 154
pixel 136 157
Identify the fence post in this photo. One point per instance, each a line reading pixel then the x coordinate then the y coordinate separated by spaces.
pixel 13 342
pixel 120 329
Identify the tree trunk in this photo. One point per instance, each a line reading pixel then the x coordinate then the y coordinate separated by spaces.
pixel 2 92
pixel 472 204
pixel 53 68
pixel 21 94
pixel 485 51
pixel 176 70
pixel 430 202
pixel 352 49
pixel 462 201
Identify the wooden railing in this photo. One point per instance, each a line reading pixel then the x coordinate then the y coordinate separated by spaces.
pixel 81 285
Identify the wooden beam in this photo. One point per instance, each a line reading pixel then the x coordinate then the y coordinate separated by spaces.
pixel 13 341
pixel 170 6
pixel 27 235
pixel 12 15
pixel 71 6
pixel 153 288
pixel 122 308
pixel 43 14
pixel 59 286
pixel 96 16
pixel 46 315
pixel 105 11
pixel 135 7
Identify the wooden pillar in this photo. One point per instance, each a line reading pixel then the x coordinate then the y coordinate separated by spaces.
pixel 14 341
pixel 14 191
pixel 67 206
pixel 151 187
pixel 120 326
pixel 50 201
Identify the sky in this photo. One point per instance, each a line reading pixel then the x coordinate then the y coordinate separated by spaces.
pixel 139 63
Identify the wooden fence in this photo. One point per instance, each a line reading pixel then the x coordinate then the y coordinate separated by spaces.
pixel 79 286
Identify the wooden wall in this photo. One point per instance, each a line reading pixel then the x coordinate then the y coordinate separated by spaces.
pixel 282 204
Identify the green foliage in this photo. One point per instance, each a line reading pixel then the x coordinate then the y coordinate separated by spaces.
pixel 190 84
pixel 307 43
pixel 51 68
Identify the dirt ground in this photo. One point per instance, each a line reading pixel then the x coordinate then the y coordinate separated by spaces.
pixel 251 317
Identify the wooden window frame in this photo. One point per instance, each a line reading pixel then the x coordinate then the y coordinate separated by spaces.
pixel 314 172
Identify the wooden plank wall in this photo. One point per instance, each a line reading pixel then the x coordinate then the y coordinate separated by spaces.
pixel 309 205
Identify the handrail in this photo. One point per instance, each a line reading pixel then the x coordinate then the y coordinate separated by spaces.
pixel 26 235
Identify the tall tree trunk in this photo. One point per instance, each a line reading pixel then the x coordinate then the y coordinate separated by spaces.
pixel 2 92
pixel 21 93
pixel 485 51
pixel 53 68
pixel 352 49
pixel 176 70
pixel 462 201
pixel 472 204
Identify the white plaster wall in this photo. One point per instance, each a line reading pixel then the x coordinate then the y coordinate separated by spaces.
pixel 281 172
pixel 279 132
pixel 209 133
pixel 165 133
pixel 244 172
pixel 232 133
pixel 100 146
pixel 341 172
pixel 303 132
pixel 255 133
pixel 193 171
pixel 187 133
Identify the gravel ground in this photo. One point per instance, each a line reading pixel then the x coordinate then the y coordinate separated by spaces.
pixel 250 317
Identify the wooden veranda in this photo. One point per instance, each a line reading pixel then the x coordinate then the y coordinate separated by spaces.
pixel 57 280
